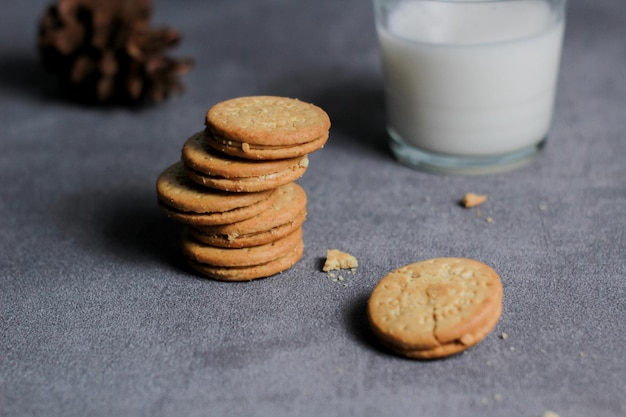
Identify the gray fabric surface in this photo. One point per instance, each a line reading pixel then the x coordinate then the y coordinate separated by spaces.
pixel 99 316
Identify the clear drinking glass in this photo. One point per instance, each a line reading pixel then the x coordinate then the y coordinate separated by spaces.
pixel 470 85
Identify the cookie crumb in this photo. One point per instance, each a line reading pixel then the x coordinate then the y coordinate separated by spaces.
pixel 582 354
pixel 497 397
pixel 550 414
pixel 504 336
pixel 472 200
pixel 489 219
pixel 336 259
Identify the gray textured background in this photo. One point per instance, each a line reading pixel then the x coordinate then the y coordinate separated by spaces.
pixel 99 317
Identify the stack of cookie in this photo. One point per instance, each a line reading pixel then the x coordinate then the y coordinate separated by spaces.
pixel 234 186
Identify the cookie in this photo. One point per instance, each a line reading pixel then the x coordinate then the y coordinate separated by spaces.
pixel 283 217
pixel 435 308
pixel 240 257
pixel 265 152
pixel 185 201
pixel 267 120
pixel 214 169
pixel 248 273
pixel 267 127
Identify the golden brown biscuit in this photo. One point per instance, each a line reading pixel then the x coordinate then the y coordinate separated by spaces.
pixel 248 273
pixel 245 240
pixel 185 201
pixel 214 169
pixel 267 120
pixel 435 308
pixel 251 184
pixel 265 152
pixel 285 215
pixel 238 257
pixel 266 127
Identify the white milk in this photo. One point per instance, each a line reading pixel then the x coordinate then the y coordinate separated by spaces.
pixel 471 79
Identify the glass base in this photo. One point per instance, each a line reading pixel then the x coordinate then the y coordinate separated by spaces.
pixel 461 165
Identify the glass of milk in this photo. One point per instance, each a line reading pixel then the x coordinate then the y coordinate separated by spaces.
pixel 469 85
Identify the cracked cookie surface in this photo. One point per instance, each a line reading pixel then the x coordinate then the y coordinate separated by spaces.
pixel 436 307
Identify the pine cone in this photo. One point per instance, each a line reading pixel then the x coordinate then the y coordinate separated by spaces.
pixel 105 51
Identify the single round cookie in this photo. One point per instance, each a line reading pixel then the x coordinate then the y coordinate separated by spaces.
pixel 199 156
pixel 185 201
pixel 239 257
pixel 249 273
pixel 435 308
pixel 284 216
pixel 267 120
pixel 246 240
pixel 250 184
pixel 265 153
